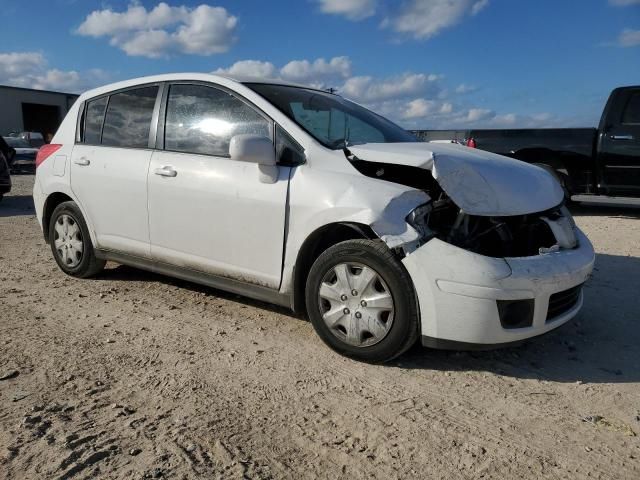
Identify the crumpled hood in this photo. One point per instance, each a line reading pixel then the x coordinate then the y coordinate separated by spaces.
pixel 479 182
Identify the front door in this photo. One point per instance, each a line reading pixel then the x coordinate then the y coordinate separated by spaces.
pixel 619 145
pixel 207 212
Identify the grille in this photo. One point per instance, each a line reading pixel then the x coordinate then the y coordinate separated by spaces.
pixel 562 302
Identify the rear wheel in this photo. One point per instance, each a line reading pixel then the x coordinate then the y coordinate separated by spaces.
pixel 560 177
pixel 361 301
pixel 70 242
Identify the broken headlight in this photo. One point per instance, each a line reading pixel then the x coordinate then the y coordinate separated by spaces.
pixel 418 219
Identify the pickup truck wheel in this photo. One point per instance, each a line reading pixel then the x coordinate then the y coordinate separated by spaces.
pixel 361 302
pixel 70 242
pixel 560 178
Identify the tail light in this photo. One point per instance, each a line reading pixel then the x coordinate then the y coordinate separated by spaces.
pixel 471 142
pixel 46 151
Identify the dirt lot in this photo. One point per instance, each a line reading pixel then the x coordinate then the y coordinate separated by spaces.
pixel 134 375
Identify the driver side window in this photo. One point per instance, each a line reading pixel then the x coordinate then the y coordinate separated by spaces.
pixel 202 120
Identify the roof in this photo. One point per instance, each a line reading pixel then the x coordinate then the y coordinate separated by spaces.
pixel 40 91
pixel 206 77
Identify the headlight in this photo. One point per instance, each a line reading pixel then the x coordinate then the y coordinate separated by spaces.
pixel 418 219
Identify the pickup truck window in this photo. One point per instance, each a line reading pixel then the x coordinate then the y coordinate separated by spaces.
pixel 631 113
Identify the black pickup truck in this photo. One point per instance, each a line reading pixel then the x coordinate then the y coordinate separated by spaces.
pixel 601 165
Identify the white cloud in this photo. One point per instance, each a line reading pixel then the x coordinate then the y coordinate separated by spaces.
pixel 163 30
pixel 629 38
pixel 368 89
pixel 250 68
pixel 29 69
pixel 418 108
pixel 446 108
pixel 423 19
pixel 624 3
pixel 414 100
pixel 16 64
pixel 477 114
pixel 352 9
pixel 463 88
pixel 318 72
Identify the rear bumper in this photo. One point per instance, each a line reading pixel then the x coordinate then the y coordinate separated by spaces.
pixel 458 292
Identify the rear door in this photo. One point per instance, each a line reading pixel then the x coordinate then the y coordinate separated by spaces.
pixel 109 167
pixel 619 143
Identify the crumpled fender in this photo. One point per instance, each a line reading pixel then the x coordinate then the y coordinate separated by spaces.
pixel 351 198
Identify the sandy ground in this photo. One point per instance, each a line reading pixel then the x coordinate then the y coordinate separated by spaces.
pixel 134 375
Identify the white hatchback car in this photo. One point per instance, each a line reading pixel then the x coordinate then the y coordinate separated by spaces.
pixel 299 197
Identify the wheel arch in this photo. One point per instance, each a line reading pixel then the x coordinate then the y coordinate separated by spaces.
pixel 316 243
pixel 52 201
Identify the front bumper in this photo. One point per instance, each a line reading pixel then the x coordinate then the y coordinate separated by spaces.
pixel 458 290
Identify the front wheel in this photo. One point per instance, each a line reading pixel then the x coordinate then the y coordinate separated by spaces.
pixel 70 242
pixel 361 301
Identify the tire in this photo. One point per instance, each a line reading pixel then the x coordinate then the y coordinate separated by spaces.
pixel 379 334
pixel 560 177
pixel 71 243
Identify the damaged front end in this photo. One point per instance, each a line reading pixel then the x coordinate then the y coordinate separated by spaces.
pixel 491 206
pixel 495 236
pixel 498 258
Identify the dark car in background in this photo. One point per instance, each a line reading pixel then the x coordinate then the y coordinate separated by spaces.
pixel 6 152
pixel 5 177
pixel 24 159
pixel 592 164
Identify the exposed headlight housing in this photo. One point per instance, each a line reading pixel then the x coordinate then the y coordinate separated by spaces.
pixel 418 219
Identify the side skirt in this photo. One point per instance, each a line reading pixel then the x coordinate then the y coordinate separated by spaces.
pixel 256 292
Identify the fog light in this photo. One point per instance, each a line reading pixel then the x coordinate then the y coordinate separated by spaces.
pixel 516 313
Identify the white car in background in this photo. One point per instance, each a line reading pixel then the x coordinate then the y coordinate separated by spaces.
pixel 299 197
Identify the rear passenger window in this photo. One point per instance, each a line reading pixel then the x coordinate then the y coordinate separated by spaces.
pixel 203 120
pixel 93 120
pixel 631 112
pixel 128 119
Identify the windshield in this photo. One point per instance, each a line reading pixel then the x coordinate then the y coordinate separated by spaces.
pixel 330 119
pixel 17 142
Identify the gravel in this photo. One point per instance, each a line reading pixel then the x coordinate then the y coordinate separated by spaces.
pixel 183 393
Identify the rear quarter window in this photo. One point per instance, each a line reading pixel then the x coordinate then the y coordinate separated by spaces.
pixel 94 117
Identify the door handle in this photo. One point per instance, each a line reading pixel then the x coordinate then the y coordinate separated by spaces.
pixel 166 171
pixel 621 137
pixel 82 161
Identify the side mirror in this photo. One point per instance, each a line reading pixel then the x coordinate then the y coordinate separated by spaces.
pixel 252 149
pixel 259 150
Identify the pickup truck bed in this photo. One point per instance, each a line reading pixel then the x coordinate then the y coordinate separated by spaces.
pixel 600 164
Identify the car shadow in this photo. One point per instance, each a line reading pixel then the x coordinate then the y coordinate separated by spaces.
pixel 129 274
pixel 600 345
pixel 16 206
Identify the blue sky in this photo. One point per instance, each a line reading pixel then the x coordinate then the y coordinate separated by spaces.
pixel 423 63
